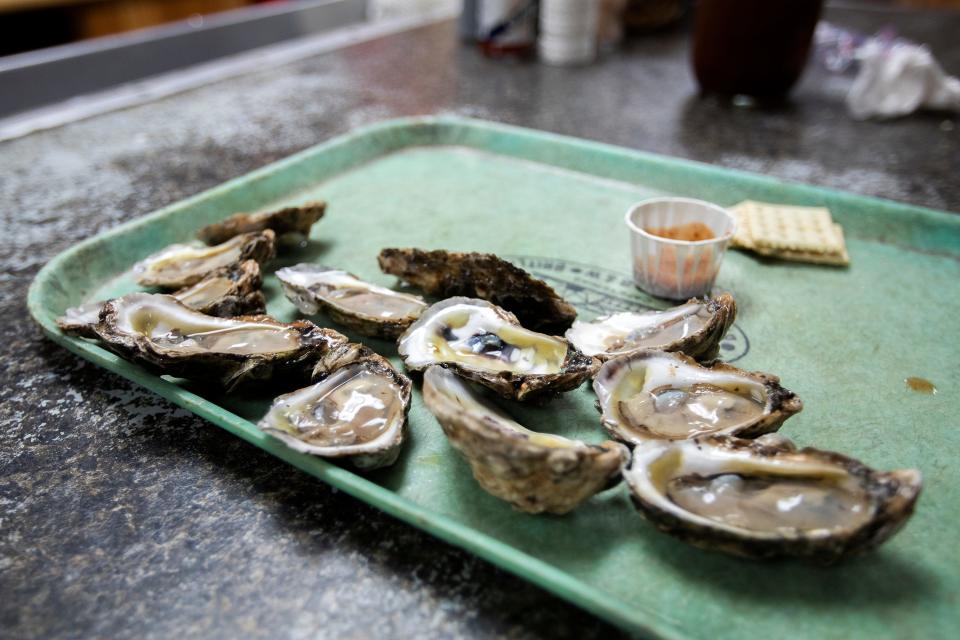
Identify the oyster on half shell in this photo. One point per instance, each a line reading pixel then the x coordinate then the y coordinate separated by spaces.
pixel 298 220
pixel 160 332
pixel 535 472
pixel 368 309
pixel 481 342
pixel 764 498
pixel 357 412
pixel 226 292
pixel 445 274
pixel 695 328
pixel 655 395
pixel 181 265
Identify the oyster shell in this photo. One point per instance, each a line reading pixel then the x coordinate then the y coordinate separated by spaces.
pixel 357 411
pixel 226 292
pixel 281 221
pixel 366 308
pixel 159 331
pixel 481 342
pixel 695 328
pixel 81 320
pixel 535 472
pixel 482 275
pixel 181 265
pixel 764 498
pixel 655 395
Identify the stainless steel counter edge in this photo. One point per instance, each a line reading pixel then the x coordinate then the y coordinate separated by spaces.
pixel 183 79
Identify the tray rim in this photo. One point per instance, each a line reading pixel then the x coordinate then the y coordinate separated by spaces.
pixel 632 616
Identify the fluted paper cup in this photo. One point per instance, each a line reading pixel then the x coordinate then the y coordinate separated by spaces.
pixel 677 269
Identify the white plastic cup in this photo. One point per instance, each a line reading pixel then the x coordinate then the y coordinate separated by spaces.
pixel 573 30
pixel 567 52
pixel 568 22
pixel 677 269
pixel 568 31
pixel 564 43
pixel 567 57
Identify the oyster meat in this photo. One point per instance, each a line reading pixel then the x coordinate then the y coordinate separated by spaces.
pixel 445 274
pixel 764 498
pixel 226 292
pixel 481 342
pixel 159 331
pixel 535 472
pixel 368 309
pixel 181 265
pixel 296 220
pixel 695 328
pixel 356 412
pixel 655 395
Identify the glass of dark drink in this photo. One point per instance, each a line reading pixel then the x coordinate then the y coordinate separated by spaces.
pixel 752 48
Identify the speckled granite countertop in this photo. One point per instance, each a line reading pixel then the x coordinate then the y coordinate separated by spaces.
pixel 124 516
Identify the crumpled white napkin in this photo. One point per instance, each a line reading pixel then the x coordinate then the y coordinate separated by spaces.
pixel 900 78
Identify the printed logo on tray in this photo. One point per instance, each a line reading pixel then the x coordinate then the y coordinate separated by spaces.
pixel 595 292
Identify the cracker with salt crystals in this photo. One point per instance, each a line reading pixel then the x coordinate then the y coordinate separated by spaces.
pixel 806 234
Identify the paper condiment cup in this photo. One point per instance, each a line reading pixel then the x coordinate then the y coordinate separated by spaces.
pixel 677 269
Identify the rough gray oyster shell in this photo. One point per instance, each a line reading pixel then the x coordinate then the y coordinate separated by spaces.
pixel 764 498
pixel 535 472
pixel 368 309
pixel 655 395
pixel 356 411
pixel 446 274
pixel 694 328
pixel 158 331
pixel 481 342
pixel 297 220
pixel 181 265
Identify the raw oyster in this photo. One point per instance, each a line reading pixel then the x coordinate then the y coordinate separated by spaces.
pixel 226 292
pixel 181 265
pixel 655 395
pixel 357 411
pixel 482 275
pixel 366 308
pixel 281 221
pixel 535 472
pixel 695 328
pixel 159 331
pixel 763 498
pixel 481 342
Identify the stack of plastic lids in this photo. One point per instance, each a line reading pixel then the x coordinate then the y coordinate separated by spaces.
pixel 568 31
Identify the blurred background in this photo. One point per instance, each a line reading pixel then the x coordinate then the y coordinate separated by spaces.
pixel 58 54
pixel 27 25
pixel 34 24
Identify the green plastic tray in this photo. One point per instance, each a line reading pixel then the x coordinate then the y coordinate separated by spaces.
pixel 843 339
